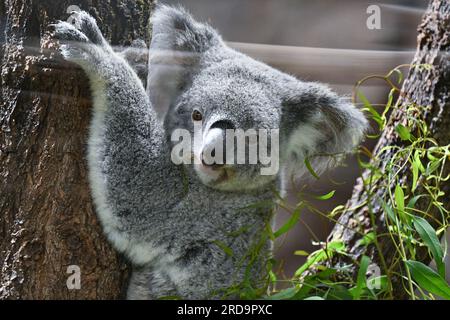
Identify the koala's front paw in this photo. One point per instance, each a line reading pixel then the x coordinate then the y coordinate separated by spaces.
pixel 65 31
pixel 74 45
pixel 81 40
pixel 82 27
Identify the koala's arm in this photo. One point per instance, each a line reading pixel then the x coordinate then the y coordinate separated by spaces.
pixel 319 125
pixel 125 146
pixel 115 86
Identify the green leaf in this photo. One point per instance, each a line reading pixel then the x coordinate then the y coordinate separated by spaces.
pixel 239 231
pixel 388 210
pixel 412 202
pixel 309 283
pixel 336 211
pixel 429 237
pixel 368 107
pixel 290 223
pixel 327 196
pixel 284 294
pixel 389 102
pixel 338 292
pixel 363 98
pixel 313 258
pixel 321 255
pixel 272 276
pixel 361 278
pixel 415 172
pixel 310 169
pixel 403 132
pixel 367 239
pixel 169 298
pixel 432 166
pixel 399 198
pixel 326 274
pixel 428 279
pixel 301 253
pixel 224 247
pixel 336 245
pixel 418 161
pixel 387 107
pixel 400 76
pixel 263 204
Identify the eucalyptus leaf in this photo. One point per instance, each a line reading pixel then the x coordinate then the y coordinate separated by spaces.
pixel 327 196
pixel 428 279
pixel 293 219
pixel 361 278
pixel 310 169
pixel 429 237
pixel 284 294
pixel 403 132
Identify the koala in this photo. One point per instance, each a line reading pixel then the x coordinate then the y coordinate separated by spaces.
pixel 194 231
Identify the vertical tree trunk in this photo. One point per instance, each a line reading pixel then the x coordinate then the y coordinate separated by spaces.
pixel 47 221
pixel 424 87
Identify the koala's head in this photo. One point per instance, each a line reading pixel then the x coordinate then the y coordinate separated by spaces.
pixel 242 119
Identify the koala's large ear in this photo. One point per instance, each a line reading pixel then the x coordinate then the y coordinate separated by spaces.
pixel 178 42
pixel 319 125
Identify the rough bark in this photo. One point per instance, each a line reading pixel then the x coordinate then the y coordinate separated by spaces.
pixel 47 220
pixel 424 87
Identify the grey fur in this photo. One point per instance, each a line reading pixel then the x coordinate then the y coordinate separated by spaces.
pixel 137 56
pixel 172 225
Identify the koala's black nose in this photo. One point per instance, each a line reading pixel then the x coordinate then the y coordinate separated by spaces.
pixel 223 124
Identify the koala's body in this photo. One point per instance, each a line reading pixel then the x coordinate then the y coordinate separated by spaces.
pixel 193 231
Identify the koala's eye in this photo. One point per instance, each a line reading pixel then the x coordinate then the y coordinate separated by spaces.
pixel 197 115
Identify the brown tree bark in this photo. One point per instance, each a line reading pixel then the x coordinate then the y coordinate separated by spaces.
pixel 47 221
pixel 423 87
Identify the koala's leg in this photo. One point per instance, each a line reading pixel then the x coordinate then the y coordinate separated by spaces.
pixel 146 284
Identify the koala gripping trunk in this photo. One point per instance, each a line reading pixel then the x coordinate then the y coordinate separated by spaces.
pixel 49 234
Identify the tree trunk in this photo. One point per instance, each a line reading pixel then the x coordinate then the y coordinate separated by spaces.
pixel 425 87
pixel 47 220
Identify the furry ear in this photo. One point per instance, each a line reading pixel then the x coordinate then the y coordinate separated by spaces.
pixel 137 57
pixel 178 42
pixel 319 125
